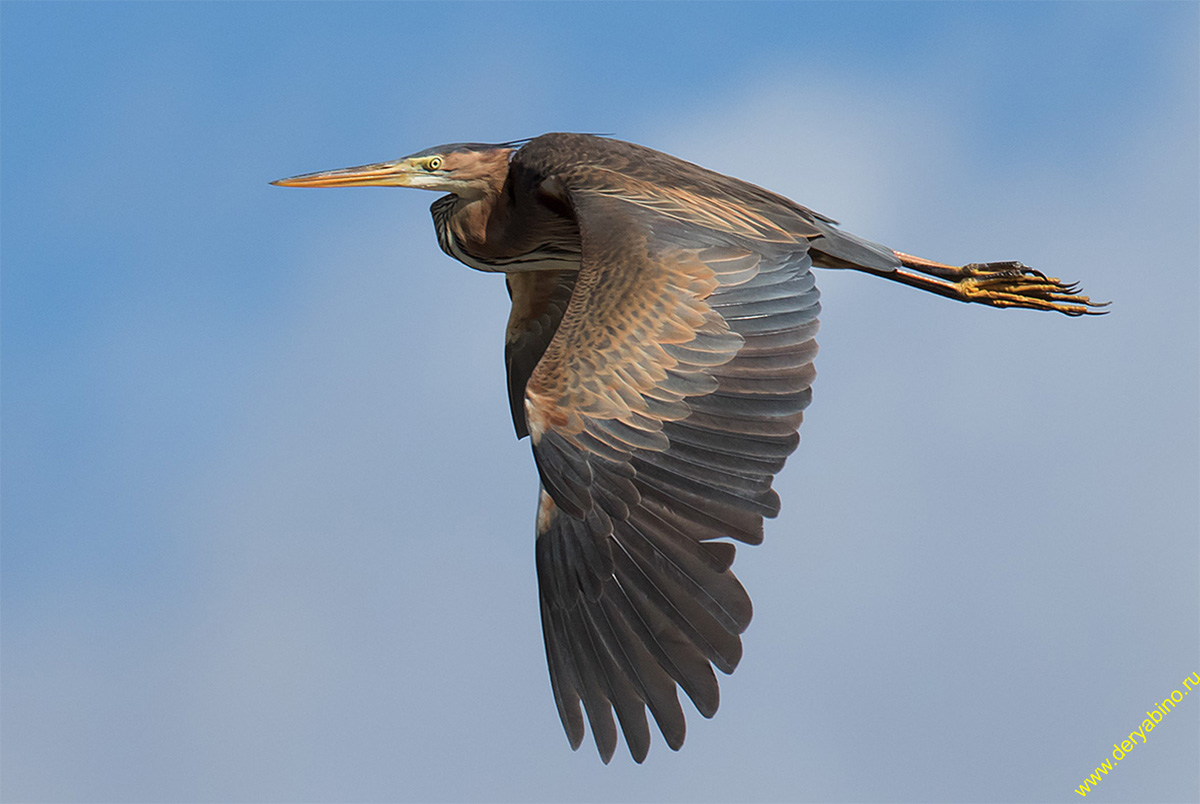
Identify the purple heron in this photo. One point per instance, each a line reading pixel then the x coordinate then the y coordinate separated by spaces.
pixel 660 356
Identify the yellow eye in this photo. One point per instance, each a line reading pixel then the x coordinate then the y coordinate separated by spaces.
pixel 434 163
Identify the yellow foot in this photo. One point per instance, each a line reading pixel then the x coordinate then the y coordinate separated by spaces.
pixel 1013 284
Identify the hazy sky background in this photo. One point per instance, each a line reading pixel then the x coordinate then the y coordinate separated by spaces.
pixel 268 535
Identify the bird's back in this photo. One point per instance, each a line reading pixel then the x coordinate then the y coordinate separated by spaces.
pixel 695 195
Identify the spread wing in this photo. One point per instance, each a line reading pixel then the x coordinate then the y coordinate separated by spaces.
pixel 660 410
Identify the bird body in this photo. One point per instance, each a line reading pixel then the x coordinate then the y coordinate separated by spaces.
pixel 659 355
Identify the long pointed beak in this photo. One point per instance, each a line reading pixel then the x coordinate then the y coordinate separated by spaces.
pixel 381 174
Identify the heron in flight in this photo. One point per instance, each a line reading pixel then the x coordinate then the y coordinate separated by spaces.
pixel 660 356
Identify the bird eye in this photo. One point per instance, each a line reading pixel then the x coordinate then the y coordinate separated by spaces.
pixel 434 163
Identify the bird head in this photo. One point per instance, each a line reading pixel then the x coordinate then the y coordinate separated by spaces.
pixel 468 170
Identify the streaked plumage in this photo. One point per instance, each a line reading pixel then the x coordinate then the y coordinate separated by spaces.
pixel 660 356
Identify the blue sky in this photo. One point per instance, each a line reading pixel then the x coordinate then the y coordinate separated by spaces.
pixel 267 534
